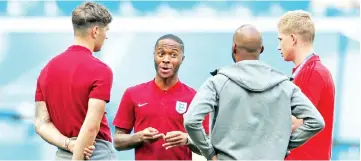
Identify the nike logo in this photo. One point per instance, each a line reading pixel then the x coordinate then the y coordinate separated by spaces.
pixel 140 105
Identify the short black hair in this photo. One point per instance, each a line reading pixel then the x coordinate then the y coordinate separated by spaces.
pixel 171 37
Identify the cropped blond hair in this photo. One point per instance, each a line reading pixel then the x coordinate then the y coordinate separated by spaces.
pixel 298 22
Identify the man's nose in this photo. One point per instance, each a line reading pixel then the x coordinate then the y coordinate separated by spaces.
pixel 166 59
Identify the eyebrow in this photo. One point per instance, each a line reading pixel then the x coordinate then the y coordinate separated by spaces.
pixel 173 48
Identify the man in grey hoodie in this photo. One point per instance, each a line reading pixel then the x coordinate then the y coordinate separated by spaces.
pixel 252 106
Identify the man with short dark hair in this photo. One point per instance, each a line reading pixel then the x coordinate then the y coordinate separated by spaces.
pixel 155 109
pixel 73 89
pixel 252 105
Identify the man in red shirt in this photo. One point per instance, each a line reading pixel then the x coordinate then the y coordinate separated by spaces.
pixel 73 89
pixel 296 35
pixel 155 109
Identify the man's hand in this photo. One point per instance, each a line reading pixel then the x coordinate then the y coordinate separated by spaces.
pixel 175 138
pixel 296 123
pixel 214 157
pixel 88 152
pixel 149 135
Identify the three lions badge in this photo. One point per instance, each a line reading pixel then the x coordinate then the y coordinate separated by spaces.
pixel 181 107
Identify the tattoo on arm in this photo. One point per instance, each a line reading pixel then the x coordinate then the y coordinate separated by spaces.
pixel 43 121
pixel 41 114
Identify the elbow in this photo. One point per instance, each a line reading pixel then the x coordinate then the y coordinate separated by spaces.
pixel 189 125
pixel 37 127
pixel 321 124
pixel 94 129
pixel 117 145
pixel 37 130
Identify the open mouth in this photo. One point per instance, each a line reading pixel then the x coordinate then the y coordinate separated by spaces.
pixel 165 69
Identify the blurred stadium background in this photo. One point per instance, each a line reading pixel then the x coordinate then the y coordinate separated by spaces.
pixel 32 32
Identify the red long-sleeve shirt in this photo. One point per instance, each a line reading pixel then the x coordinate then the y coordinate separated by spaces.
pixel 317 84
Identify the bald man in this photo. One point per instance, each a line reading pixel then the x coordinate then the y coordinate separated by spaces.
pixel 252 106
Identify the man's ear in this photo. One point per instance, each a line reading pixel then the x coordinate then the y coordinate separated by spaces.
pixel 294 39
pixel 233 48
pixel 183 57
pixel 262 49
pixel 95 31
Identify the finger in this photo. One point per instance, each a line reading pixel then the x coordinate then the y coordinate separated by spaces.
pixel 87 154
pixel 172 144
pixel 87 158
pixel 91 147
pixel 174 139
pixel 153 130
pixel 158 136
pixel 175 143
pixel 171 135
pixel 168 147
pixel 88 151
pixel 149 134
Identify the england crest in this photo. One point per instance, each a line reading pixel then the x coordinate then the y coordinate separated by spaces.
pixel 181 107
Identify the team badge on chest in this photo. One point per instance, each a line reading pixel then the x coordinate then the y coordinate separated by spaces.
pixel 181 107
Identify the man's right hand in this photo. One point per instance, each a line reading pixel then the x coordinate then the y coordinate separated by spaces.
pixel 150 135
pixel 88 152
pixel 214 158
pixel 296 123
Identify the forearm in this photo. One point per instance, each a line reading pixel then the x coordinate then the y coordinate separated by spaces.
pixel 193 147
pixel 302 108
pixel 200 139
pixel 86 138
pixel 50 134
pixel 127 141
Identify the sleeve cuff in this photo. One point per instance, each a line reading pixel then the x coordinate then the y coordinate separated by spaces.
pixel 123 125
pixel 210 154
pixel 189 141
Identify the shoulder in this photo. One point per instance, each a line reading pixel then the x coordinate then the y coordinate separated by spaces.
pixel 187 89
pixel 317 71
pixel 139 87
pixel 99 65
pixel 99 69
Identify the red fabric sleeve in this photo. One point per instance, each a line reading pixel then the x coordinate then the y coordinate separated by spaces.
pixel 125 116
pixel 102 84
pixel 38 93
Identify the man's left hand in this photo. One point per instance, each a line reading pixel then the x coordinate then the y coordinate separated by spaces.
pixel 175 138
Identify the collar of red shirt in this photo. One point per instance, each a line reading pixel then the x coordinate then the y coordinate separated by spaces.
pixel 313 58
pixel 171 89
pixel 79 48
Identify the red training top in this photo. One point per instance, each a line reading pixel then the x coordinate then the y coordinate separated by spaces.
pixel 67 82
pixel 317 84
pixel 146 105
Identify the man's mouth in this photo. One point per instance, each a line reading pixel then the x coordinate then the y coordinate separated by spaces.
pixel 165 69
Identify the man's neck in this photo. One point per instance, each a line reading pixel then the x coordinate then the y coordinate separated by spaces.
pixel 301 54
pixel 83 42
pixel 167 83
pixel 247 56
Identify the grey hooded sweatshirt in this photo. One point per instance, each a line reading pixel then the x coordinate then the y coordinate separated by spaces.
pixel 251 106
